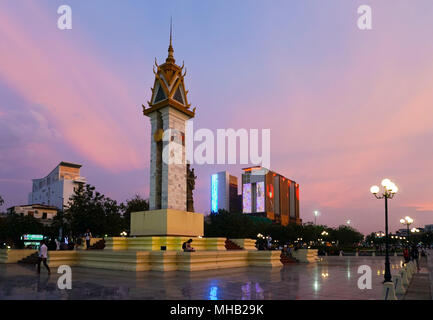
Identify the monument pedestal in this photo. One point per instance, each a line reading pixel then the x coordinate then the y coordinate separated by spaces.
pixel 167 222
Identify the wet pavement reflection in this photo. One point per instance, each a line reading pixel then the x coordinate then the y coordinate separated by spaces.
pixel 332 278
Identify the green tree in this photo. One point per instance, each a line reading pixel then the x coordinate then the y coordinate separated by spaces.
pixel 89 209
pixel 347 236
pixel 13 226
pixel 427 238
pixel 59 222
pixel 1 201
pixel 311 232
pixel 231 225
pixel 293 232
pixel 371 239
pixel 136 204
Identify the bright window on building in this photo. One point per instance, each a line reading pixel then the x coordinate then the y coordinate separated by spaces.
pixel 246 198
pixel 260 204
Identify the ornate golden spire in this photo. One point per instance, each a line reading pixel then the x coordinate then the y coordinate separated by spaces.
pixel 170 58
pixel 169 86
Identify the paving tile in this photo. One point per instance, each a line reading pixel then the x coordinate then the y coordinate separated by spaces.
pixel 334 278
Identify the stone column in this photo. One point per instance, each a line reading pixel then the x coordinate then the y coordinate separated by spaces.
pixel 173 174
pixel 155 163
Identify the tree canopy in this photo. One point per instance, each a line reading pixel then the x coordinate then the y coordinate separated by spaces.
pixel 238 225
pixel 13 226
pixel 89 209
pixel 134 204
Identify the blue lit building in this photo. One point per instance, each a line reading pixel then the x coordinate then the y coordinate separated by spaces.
pixel 224 192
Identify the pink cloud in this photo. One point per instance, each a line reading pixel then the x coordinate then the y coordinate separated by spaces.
pixel 87 104
pixel 426 206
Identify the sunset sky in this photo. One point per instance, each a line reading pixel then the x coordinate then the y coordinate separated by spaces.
pixel 346 108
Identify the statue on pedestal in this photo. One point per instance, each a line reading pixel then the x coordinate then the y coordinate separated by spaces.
pixel 190 186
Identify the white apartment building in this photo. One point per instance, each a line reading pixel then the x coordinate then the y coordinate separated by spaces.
pixel 58 186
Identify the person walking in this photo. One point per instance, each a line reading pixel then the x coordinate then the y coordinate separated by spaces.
pixel 415 256
pixel 269 244
pixel 88 236
pixel 43 255
pixel 406 255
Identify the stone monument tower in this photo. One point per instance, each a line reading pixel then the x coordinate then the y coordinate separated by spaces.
pixel 168 112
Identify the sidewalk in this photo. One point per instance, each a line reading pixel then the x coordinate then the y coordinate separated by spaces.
pixel 421 285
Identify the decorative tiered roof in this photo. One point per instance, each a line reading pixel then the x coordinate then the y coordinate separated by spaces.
pixel 169 86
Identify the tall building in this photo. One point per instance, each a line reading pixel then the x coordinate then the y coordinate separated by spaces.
pixel 57 187
pixel 224 192
pixel 271 195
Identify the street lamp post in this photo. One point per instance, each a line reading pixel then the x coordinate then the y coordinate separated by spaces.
pixel 389 190
pixel 316 214
pixel 407 221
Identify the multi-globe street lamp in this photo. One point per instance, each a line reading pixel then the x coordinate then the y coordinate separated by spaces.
pixel 388 192
pixel 407 221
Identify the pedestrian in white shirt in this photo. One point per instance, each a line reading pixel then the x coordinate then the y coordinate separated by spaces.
pixel 88 236
pixel 43 255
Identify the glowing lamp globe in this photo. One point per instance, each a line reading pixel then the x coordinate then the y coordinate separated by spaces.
pixel 392 187
pixel 386 183
pixel 374 189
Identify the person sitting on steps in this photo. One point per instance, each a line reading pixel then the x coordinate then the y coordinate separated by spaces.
pixel 186 246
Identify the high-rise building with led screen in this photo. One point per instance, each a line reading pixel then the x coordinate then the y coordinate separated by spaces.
pixel 271 195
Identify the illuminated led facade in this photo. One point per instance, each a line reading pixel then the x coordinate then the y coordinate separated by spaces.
pixel 214 195
pixel 271 195
pixel 224 192
pixel 246 198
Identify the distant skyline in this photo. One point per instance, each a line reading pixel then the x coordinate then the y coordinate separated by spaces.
pixel 346 107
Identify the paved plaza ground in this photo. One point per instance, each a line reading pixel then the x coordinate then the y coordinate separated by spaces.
pixel 332 278
pixel 422 282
